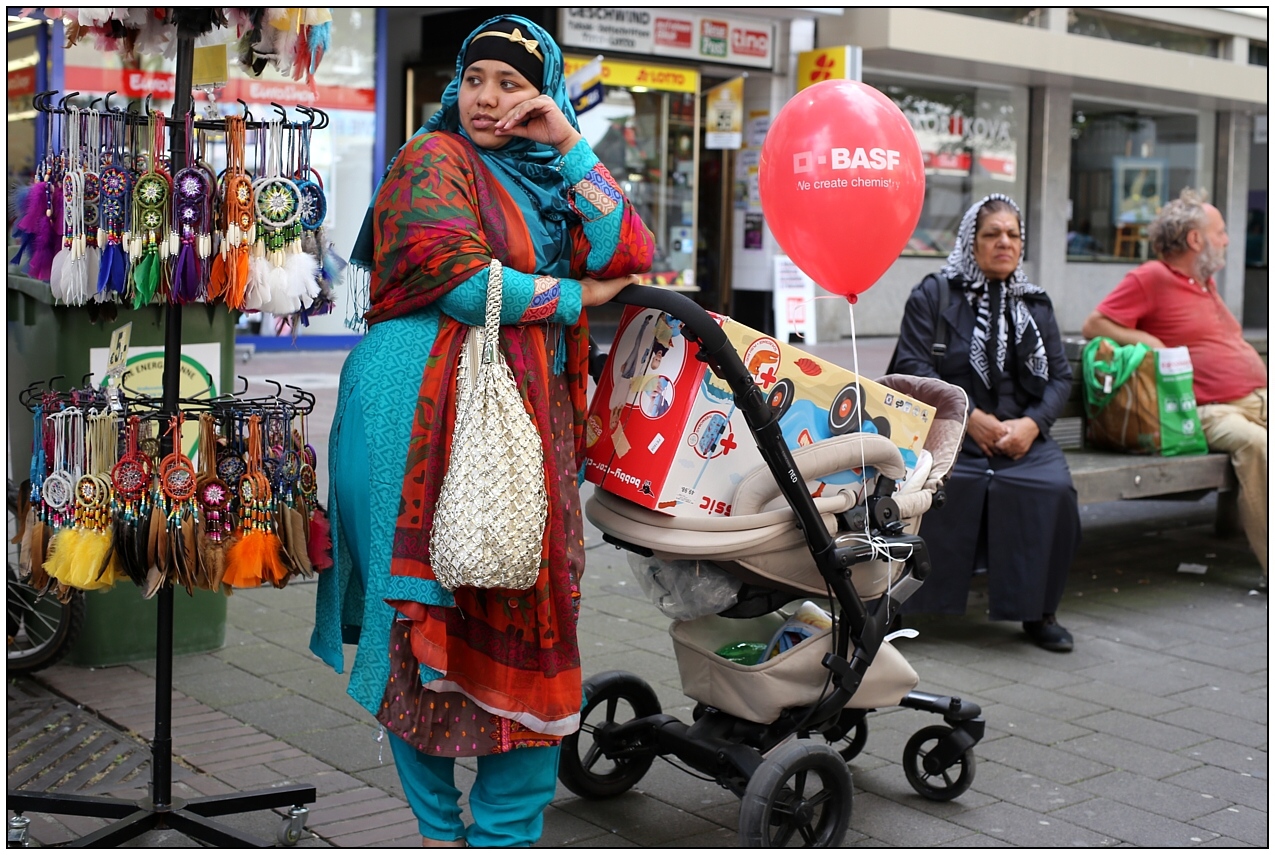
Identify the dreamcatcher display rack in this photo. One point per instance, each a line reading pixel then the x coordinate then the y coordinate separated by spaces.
pixel 161 809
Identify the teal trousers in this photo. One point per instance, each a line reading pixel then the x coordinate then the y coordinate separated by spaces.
pixel 512 790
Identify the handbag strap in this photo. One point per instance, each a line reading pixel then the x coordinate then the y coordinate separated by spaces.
pixel 1125 360
pixel 491 329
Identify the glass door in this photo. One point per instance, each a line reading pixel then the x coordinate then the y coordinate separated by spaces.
pixel 648 138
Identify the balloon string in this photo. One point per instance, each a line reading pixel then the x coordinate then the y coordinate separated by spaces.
pixel 854 355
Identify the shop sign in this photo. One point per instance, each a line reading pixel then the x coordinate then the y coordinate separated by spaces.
pixel 22 82
pixel 830 63
pixel 951 142
pixel 666 78
pixel 724 122
pixel 161 85
pixel 671 33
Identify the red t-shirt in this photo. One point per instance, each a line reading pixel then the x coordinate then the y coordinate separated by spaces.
pixel 1177 310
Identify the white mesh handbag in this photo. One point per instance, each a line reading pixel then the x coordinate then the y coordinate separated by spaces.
pixel 490 519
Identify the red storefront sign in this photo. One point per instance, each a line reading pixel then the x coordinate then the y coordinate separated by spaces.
pixel 160 84
pixel 746 42
pixel 22 82
pixel 139 84
pixel 674 33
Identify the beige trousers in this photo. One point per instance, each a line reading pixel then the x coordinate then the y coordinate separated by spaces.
pixel 1239 429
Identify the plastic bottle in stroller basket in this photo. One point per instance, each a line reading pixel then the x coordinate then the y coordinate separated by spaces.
pixel 808 620
pixel 743 652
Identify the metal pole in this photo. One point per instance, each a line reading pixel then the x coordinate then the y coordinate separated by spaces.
pixel 162 744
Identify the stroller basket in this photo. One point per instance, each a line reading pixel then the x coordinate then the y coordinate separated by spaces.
pixel 760 692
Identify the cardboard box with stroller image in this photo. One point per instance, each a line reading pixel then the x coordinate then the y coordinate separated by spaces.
pixel 663 430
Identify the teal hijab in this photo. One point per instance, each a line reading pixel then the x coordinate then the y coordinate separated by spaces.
pixel 532 167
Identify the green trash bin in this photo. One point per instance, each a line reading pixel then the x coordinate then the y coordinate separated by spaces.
pixel 44 340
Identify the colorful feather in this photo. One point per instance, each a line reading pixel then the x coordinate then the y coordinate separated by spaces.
pixel 112 277
pixel 320 39
pixel 186 275
pixel 252 560
pixel 82 558
pixel 146 279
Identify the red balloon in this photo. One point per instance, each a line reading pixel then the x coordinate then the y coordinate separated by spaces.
pixel 842 182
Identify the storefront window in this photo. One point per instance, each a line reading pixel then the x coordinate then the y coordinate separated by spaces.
pixel 646 136
pixel 974 142
pixel 1099 25
pixel 23 60
pixel 1126 162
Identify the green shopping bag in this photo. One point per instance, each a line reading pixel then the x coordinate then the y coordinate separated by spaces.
pixel 1140 401
pixel 1180 429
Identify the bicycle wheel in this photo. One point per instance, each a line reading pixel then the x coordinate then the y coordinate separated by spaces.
pixel 39 629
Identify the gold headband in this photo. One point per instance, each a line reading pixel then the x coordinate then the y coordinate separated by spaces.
pixel 517 38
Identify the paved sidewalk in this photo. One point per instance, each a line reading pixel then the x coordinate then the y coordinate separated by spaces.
pixel 1153 732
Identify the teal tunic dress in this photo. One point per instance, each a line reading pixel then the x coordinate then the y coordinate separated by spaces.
pixel 372 427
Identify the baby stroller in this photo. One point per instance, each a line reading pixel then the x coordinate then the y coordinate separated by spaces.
pixel 766 732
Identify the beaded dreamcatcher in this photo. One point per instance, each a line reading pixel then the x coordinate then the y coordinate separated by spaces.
pixel 150 248
pixel 228 280
pixel 73 277
pixel 177 552
pixel 38 229
pixel 114 216
pixel 82 556
pixel 216 518
pixel 131 478
pixel 284 278
pixel 256 556
pixel 192 225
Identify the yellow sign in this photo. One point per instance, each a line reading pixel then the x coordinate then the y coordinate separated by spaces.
pixel 208 66
pixel 724 115
pixel 668 78
pixel 816 66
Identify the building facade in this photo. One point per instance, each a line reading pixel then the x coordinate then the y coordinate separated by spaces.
pixel 1091 118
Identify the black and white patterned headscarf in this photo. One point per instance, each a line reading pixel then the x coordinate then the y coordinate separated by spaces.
pixel 988 299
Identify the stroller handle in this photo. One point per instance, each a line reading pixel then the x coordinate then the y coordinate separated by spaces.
pixel 724 360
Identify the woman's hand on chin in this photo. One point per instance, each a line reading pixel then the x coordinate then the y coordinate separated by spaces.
pixel 539 119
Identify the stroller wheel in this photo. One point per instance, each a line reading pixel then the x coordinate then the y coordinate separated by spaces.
pixel 850 736
pixel 801 795
pixel 936 784
pixel 611 698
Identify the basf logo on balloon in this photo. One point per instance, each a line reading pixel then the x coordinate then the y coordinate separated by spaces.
pixel 842 158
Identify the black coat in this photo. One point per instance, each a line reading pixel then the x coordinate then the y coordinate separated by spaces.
pixel 916 335
pixel 1016 518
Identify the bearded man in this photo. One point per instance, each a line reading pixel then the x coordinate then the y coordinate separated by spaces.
pixel 1173 302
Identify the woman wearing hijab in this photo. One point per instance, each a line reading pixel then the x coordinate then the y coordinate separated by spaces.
pixel 1011 506
pixel 500 172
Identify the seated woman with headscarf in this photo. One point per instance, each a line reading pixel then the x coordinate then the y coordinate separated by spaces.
pixel 1011 507
pixel 500 172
